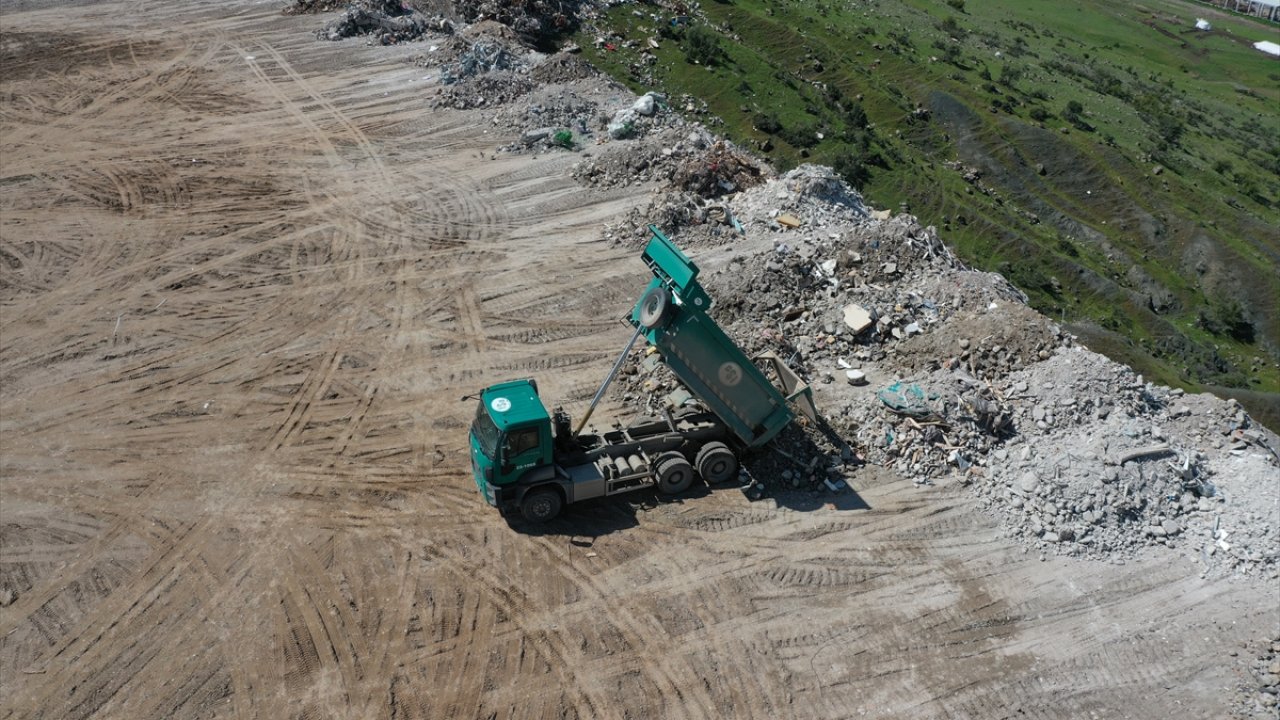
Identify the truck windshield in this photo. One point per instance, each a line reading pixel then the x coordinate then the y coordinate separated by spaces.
pixel 485 431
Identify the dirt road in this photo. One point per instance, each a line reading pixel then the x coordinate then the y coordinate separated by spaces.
pixel 247 275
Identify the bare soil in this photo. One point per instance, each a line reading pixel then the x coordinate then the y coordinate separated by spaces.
pixel 247 276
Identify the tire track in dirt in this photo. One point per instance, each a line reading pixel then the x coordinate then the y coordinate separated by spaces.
pixel 130 517
pixel 643 634
pixel 90 644
pixel 550 642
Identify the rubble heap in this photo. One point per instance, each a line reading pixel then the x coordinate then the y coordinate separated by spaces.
pixel 1105 464
pixel 1258 693
pixel 483 66
pixel 387 21
pixel 535 20
pixel 546 115
pixel 313 7
pixel 696 176
pixel 946 375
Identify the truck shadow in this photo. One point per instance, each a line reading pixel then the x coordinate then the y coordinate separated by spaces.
pixel 847 499
pixel 601 516
pixel 583 522
pixel 590 518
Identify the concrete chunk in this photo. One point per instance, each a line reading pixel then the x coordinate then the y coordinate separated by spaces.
pixel 857 318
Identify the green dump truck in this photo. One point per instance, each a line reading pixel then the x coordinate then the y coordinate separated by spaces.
pixel 532 462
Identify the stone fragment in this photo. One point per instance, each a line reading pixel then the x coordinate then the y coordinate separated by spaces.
pixel 857 318
pixel 532 136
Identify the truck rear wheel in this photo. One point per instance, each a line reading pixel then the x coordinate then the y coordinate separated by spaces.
pixel 717 463
pixel 675 474
pixel 653 307
pixel 541 506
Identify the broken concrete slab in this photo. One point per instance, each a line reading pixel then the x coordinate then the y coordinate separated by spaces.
pixel 857 318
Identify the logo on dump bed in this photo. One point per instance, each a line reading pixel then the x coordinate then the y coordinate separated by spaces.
pixel 500 404
pixel 730 374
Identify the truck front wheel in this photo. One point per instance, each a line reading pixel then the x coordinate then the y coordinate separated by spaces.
pixel 541 506
pixel 717 463
pixel 675 474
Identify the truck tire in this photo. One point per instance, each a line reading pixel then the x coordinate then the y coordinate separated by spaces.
pixel 541 505
pixel 717 463
pixel 675 474
pixel 654 305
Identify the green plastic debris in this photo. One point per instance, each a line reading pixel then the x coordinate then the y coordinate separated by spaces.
pixel 564 139
pixel 906 399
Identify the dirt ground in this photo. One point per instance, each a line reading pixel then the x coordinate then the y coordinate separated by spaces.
pixel 247 277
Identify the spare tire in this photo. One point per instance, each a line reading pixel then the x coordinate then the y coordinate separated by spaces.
pixel 654 307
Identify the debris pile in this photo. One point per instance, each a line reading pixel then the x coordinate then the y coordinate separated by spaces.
pixel 1104 465
pixel 1258 694
pixel 537 21
pixel 945 375
pixel 313 7
pixel 388 21
pixel 484 66
pixel 484 56
pixel 696 176
pixel 546 115
pixel 811 197
pixel 720 170
pixel 922 366
pixel 563 67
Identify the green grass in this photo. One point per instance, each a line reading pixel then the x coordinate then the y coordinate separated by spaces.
pixel 1153 91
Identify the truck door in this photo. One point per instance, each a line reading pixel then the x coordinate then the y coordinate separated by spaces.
pixel 521 450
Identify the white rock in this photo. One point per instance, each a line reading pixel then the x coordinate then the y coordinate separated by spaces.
pixel 857 318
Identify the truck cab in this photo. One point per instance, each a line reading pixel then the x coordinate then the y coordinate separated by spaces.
pixel 510 437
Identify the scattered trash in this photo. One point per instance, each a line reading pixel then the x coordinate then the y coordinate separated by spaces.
pixel 485 56
pixel 906 399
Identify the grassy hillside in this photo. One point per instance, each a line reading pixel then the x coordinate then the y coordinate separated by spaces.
pixel 1120 166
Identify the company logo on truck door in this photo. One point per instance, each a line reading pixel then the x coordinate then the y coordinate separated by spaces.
pixel 500 404
pixel 730 374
